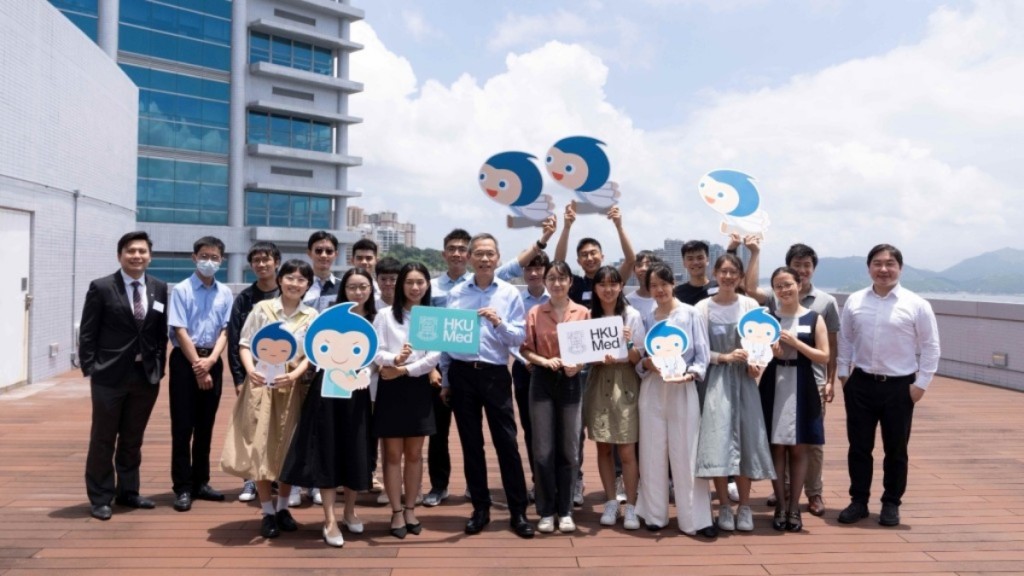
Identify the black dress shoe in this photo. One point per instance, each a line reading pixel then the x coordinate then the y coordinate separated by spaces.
pixel 652 527
pixel 793 522
pixel 183 502
pixel 285 521
pixel 204 492
pixel 477 521
pixel 401 531
pixel 522 526
pixel 101 512
pixel 268 529
pixel 135 501
pixel 890 515
pixel 779 519
pixel 853 513
pixel 709 532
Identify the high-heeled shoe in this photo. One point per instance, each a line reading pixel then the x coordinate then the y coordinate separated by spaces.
pixel 335 541
pixel 793 522
pixel 401 531
pixel 779 520
pixel 413 529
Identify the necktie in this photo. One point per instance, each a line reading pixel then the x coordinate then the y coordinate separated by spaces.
pixel 140 314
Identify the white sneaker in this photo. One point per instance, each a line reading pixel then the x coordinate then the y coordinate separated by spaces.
pixel 546 525
pixel 566 525
pixel 631 522
pixel 611 513
pixel 734 492
pixel 382 498
pixel 726 521
pixel 435 497
pixel 248 492
pixel 315 494
pixel 467 495
pixel 620 489
pixel 577 493
pixel 375 484
pixel 295 497
pixel 744 519
pixel 419 498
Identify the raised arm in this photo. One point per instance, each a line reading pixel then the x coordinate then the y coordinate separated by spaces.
pixel 753 244
pixel 628 256
pixel 562 248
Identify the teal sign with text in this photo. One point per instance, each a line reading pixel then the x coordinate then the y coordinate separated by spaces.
pixel 444 330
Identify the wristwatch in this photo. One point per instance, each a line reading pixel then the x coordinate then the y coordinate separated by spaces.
pixel 542 245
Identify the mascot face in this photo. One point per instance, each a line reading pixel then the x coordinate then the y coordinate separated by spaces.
pixel 502 186
pixel 722 198
pixel 569 170
pixel 340 350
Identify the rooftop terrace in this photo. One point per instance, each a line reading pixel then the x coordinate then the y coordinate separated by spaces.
pixel 963 513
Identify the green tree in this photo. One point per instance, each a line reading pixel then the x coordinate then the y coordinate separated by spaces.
pixel 429 257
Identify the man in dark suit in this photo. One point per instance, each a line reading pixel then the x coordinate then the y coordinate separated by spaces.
pixel 122 348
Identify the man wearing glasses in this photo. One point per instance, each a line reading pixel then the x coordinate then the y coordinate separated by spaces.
pixel 322 249
pixel 480 382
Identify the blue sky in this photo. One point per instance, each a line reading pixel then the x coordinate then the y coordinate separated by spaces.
pixel 863 121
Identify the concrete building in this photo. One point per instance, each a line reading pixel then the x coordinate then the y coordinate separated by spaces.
pixel 67 183
pixel 381 227
pixel 243 119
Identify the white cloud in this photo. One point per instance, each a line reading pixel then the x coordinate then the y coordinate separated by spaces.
pixel 517 30
pixel 417 26
pixel 918 146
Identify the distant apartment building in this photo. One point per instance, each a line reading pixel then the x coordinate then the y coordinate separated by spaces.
pixel 243 119
pixel 381 227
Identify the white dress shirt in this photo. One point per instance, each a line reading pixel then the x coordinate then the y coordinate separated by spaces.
pixel 884 335
pixel 392 335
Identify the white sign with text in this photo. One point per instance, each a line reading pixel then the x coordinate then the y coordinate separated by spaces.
pixel 591 340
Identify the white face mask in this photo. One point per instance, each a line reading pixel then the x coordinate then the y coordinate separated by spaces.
pixel 207 268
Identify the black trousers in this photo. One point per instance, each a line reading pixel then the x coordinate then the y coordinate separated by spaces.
pixel 521 384
pixel 439 459
pixel 119 418
pixel 475 392
pixel 870 402
pixel 193 413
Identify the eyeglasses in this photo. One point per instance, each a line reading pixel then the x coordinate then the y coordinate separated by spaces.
pixel 558 279
pixel 327 251
pixel 294 279
pixel 357 287
pixel 784 286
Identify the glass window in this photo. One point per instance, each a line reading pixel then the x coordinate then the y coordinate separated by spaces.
pixel 291 53
pixel 280 130
pixel 287 210
pixel 259 47
pixel 281 51
pixel 323 61
pixel 180 191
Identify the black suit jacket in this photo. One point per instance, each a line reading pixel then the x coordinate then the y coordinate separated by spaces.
pixel 110 338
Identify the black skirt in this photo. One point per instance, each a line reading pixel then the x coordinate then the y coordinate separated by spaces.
pixel 331 446
pixel 404 408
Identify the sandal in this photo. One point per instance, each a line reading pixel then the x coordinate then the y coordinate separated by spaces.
pixel 793 522
pixel 401 530
pixel 779 520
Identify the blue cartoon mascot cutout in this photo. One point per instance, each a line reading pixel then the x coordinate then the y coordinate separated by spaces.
pixel 666 344
pixel 580 164
pixel 758 331
pixel 735 196
pixel 512 179
pixel 342 344
pixel 273 347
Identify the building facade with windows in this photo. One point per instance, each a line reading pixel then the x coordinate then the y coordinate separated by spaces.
pixel 67 183
pixel 243 119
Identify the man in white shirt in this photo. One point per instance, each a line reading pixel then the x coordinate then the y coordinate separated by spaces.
pixel 882 331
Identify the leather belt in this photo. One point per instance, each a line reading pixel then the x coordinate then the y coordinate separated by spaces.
pixel 478 365
pixel 204 352
pixel 882 377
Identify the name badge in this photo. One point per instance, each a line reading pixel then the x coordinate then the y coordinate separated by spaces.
pixel 158 306
pixel 713 290
pixel 719 330
pixel 803 329
pixel 588 295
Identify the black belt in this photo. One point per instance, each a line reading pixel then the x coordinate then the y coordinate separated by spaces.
pixel 478 365
pixel 792 362
pixel 204 352
pixel 882 377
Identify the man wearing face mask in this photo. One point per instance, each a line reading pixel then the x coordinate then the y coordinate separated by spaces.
pixel 198 319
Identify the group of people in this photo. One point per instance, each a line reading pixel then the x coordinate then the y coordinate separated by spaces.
pixel 726 419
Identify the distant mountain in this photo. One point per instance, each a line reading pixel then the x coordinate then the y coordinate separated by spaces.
pixel 997 272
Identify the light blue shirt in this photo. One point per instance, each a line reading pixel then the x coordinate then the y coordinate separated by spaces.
pixel 202 310
pixel 495 342
pixel 443 284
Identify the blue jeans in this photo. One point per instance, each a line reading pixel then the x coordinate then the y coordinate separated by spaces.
pixel 556 401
